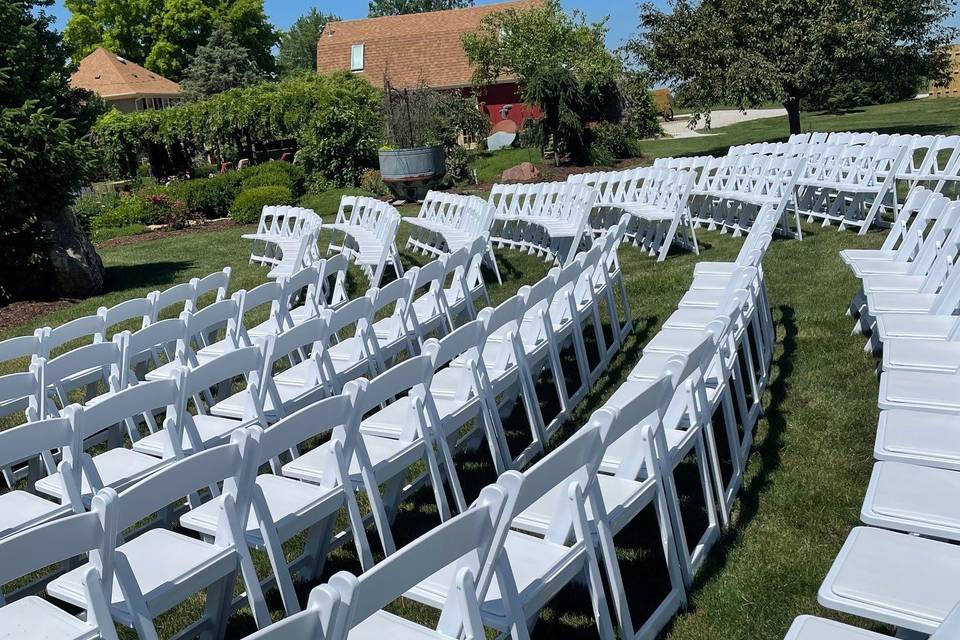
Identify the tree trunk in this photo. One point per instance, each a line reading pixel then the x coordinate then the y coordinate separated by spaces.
pixel 792 105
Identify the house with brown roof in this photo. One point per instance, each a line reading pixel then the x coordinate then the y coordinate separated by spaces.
pixel 124 84
pixel 420 48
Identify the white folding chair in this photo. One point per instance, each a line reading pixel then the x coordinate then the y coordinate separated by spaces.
pixel 283 508
pixel 160 568
pixel 93 533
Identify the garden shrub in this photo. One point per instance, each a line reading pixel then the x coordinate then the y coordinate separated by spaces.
pixel 250 203
pixel 274 174
pixel 91 206
pixel 340 143
pixel 610 142
pixel 128 210
pixel 328 202
pixel 208 197
pixel 372 181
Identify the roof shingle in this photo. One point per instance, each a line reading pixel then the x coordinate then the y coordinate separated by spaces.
pixel 111 76
pixel 408 49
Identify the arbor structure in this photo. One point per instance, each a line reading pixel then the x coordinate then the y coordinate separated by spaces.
pixel 44 159
pixel 163 34
pixel 788 51
pixel 397 7
pixel 298 45
pixel 219 65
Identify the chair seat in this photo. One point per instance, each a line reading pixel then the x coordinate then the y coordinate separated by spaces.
pixel 387 456
pixel 383 624
pixel 857 255
pixel 916 325
pixel 895 578
pixel 650 367
pixel 539 567
pixel 811 628
pixel 117 468
pixel 921 355
pixel 898 302
pixel 649 212
pixel 391 421
pixel 680 341
pixel 703 298
pixel 919 437
pixel 690 318
pixel 915 499
pixel 678 443
pixel 715 268
pixel 34 617
pixel 622 499
pixel 213 430
pixel 19 510
pixel 288 501
pixel 919 390
pixel 164 562
pixel 903 283
pixel 864 268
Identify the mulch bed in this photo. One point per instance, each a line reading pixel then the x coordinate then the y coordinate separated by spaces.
pixel 17 314
pixel 209 225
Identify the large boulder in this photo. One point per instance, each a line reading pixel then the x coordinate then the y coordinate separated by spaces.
pixel 75 266
pixel 523 172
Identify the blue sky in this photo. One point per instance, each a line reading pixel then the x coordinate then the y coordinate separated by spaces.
pixel 623 13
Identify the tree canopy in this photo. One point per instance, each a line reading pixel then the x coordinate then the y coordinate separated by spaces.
pixel 44 157
pixel 219 65
pixel 398 7
pixel 298 45
pixel 561 63
pixel 164 34
pixel 788 51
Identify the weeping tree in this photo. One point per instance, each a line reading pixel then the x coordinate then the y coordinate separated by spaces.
pixel 44 160
pixel 788 51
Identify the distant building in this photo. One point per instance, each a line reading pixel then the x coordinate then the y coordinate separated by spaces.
pixel 421 48
pixel 952 88
pixel 124 84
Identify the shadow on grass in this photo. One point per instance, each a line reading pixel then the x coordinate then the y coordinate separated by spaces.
pixel 148 274
pixel 766 453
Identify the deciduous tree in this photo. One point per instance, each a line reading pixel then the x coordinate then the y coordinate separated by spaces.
pixel 788 51
pixel 163 34
pixel 397 7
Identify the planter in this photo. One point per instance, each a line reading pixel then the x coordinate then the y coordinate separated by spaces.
pixel 409 173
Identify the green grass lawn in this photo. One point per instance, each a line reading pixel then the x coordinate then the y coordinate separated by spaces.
pixel 811 459
pixel 812 453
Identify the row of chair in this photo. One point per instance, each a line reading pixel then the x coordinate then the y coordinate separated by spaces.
pixel 368 227
pixel 657 200
pixel 532 532
pixel 285 239
pixel 440 398
pixel 900 568
pixel 447 222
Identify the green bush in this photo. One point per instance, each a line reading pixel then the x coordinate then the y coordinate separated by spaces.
pixel 610 142
pixel 327 203
pixel 274 174
pixel 91 206
pixel 340 142
pixel 250 203
pixel 128 210
pixel 208 197
pixel 372 181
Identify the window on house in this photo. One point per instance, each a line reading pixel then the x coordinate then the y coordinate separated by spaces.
pixel 141 104
pixel 356 57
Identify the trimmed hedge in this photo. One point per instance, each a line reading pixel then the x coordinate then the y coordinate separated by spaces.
pixel 250 203
pixel 275 174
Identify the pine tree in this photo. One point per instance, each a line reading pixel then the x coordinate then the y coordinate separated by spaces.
pixel 219 65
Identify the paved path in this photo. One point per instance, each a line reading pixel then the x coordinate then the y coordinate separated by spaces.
pixel 720 118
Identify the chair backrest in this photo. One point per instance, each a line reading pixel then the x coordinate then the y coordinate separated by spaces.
pixel 234 463
pixel 412 376
pixel 90 329
pixel 19 386
pixel 164 336
pixel 313 623
pixel 337 415
pixel 54 373
pixel 19 347
pixel 137 308
pixel 465 540
pixel 33 438
pixel 93 533
pixel 218 281
pixel 335 269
